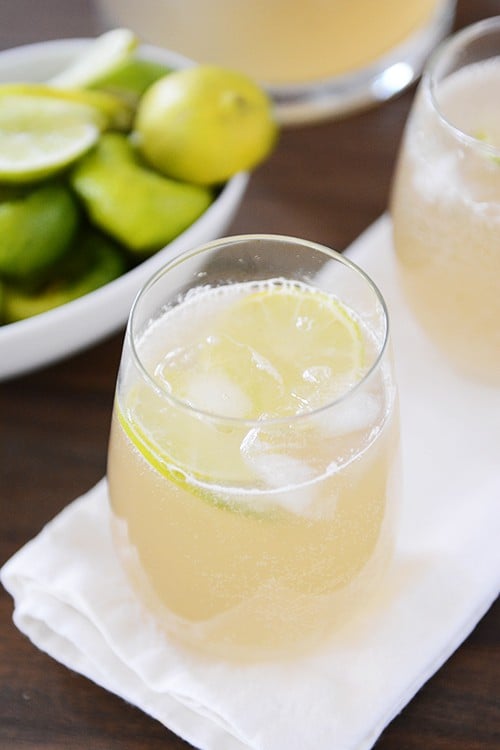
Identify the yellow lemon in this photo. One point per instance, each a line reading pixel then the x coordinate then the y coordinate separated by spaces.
pixel 286 348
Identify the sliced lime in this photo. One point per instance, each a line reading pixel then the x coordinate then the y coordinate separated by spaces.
pixel 266 355
pixel 101 57
pixel 111 111
pixel 288 349
pixel 194 485
pixel 40 136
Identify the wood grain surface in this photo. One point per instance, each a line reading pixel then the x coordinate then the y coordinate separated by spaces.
pixel 325 182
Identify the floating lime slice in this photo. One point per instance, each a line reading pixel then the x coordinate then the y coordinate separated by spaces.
pixel 287 349
pixel 277 352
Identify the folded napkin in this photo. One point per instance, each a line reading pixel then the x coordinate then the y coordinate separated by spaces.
pixel 72 600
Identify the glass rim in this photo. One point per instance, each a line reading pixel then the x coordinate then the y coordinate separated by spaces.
pixel 227 241
pixel 448 47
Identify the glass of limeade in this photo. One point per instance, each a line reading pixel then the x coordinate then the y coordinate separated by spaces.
pixel 317 58
pixel 253 460
pixel 446 201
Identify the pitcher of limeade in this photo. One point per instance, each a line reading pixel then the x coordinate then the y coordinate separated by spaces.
pixel 315 58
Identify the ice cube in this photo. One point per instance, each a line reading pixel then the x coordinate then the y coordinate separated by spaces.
pixel 359 411
pixel 278 471
pixel 218 394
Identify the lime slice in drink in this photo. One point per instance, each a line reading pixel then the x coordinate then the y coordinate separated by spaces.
pixel 102 56
pixel 278 351
pixel 41 135
pixel 244 352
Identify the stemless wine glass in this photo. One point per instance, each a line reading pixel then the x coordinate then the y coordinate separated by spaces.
pixel 315 58
pixel 446 201
pixel 253 470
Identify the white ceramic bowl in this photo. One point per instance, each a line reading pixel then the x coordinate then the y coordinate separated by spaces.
pixel 64 330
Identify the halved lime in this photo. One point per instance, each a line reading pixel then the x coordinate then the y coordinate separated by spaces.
pixel 111 111
pixel 40 135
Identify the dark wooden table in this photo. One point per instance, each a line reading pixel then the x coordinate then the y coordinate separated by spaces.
pixel 325 182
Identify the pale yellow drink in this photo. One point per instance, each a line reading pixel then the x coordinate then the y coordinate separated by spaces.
pixel 277 41
pixel 257 531
pixel 446 214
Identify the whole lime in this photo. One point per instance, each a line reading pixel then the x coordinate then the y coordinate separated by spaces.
pixel 204 124
pixel 94 260
pixel 37 226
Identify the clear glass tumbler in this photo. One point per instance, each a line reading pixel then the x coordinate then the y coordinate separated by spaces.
pixel 446 201
pixel 253 461
pixel 317 59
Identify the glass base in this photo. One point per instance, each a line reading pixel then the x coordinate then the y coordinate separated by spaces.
pixel 390 75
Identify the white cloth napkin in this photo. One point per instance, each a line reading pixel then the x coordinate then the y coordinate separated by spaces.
pixel 72 600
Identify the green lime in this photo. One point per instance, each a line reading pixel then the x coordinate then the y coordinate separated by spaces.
pixel 204 124
pixel 36 227
pixel 138 207
pixel 99 59
pixel 41 135
pixel 92 262
pixel 2 303
pixel 109 110
pixel 131 79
